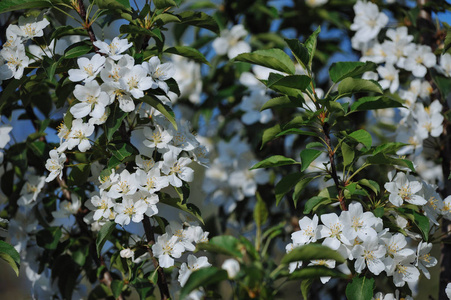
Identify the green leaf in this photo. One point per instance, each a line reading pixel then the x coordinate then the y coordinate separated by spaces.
pixel 122 150
pixel 133 29
pixel 298 188
pixel 188 52
pixel 188 207
pixel 271 58
pixel 349 86
pixel 360 288
pixel 382 159
pixel 283 102
pixel 260 212
pixel 166 18
pixel 10 255
pixel 77 50
pixel 49 238
pixel 104 234
pixel 373 185
pixel 269 134
pixel 308 156
pixel 79 174
pixel 363 137
pixel 161 4
pixel 199 19
pixel 299 51
pixel 388 148
pixel 374 102
pixel 154 277
pixel 285 185
pixel 274 161
pixel 310 252
pixel 341 70
pixel 348 154
pixel 314 202
pixel 420 221
pixel 114 121
pixel 113 4
pixel 310 44
pixel 223 244
pixel 11 5
pixel 306 284
pixel 116 288
pixel 291 85
pixel 158 105
pixel 67 30
pixel 297 131
pixel 311 272
pixel 202 277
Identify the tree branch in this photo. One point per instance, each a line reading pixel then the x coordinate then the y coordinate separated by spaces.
pixel 86 24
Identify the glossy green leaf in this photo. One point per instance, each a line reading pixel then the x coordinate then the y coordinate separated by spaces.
pixel 363 137
pixel 274 161
pixel 166 18
pixel 291 85
pixel 113 4
pixel 349 86
pixel 310 44
pixel 77 50
pixel 270 134
pixel 202 277
pixel 116 288
pixel 133 29
pixel 188 52
pixel 374 102
pixel 122 150
pixel 161 4
pixel 360 288
pixel 285 185
pixel 199 19
pixel 10 255
pixel 310 252
pixel 223 244
pixel 114 121
pixel 67 30
pixel 296 131
pixel 306 284
pixel 158 105
pixel 373 185
pixel 283 102
pixel 348 154
pixel 311 272
pixel 420 220
pixel 382 159
pixel 341 70
pixel 308 156
pixel 274 59
pixel 104 234
pixel 10 5
pixel 314 202
pixel 260 212
pixel 299 51
pixel 299 187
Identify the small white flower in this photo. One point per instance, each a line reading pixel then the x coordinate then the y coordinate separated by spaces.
pixel 177 169
pixel 368 21
pixel 159 72
pixel 93 100
pixel 166 249
pixel 448 290
pixel 29 28
pixel 55 165
pixel 16 62
pixel 424 258
pixel 114 49
pixel 401 189
pixel 67 208
pixel 232 266
pixel 193 264
pixel 127 253
pixel 229 42
pixel 308 233
pixel 88 68
pixel 31 190
pixel 103 206
pixel 129 210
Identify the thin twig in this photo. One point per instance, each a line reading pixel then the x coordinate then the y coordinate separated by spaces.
pixel 86 24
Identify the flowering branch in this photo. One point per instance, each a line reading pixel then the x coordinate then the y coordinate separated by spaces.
pixel 80 8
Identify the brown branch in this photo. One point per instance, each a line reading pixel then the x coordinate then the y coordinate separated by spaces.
pixel 326 130
pixel 80 8
pixel 162 281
